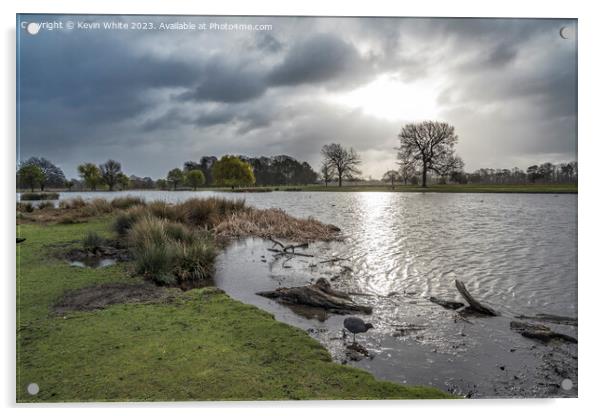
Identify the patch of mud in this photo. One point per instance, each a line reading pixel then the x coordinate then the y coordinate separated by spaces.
pixel 100 296
pixel 101 256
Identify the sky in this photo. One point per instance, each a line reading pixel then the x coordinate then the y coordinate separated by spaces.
pixel 153 97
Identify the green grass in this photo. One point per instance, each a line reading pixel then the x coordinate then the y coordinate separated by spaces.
pixel 201 346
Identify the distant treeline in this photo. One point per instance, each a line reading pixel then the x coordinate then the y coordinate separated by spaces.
pixel 274 170
pixel 242 170
pixel 548 173
pixel 209 171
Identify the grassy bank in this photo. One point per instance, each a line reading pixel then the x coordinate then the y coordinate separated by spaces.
pixel 195 345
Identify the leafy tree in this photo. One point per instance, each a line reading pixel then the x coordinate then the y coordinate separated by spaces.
pixel 280 170
pixel 70 184
pixel 231 171
pixel 161 184
pixel 30 176
pixel 345 162
pixel 123 181
pixel 110 171
pixel 90 174
pixel 195 178
pixel 53 175
pixel 175 177
pixel 391 176
pixel 137 182
pixel 430 143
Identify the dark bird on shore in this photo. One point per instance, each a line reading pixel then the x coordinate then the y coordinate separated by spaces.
pixel 356 326
pixel 20 240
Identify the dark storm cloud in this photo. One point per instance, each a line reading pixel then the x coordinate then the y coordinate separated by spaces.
pixel 509 86
pixel 320 58
pixel 226 83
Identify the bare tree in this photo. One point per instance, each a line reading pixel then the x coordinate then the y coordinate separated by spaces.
pixel 407 169
pixel 429 143
pixel 345 162
pixel 326 172
pixel 391 176
pixel 448 165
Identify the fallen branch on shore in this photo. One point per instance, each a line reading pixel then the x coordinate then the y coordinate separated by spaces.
pixel 334 260
pixel 553 319
pixel 474 304
pixel 288 247
pixel 288 253
pixel 540 332
pixel 319 295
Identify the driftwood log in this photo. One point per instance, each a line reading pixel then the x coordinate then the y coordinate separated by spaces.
pixel 553 319
pixel 447 304
pixel 474 304
pixel 539 332
pixel 318 295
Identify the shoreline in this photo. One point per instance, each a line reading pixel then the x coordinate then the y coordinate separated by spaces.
pixel 200 345
pixel 460 189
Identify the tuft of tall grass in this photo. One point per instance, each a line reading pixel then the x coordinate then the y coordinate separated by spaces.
pixel 127 202
pixel 92 240
pixel 24 207
pixel 194 261
pixel 208 212
pixel 98 206
pixel 155 260
pixel 274 222
pixel 170 253
pixel 45 205
pixel 125 220
pixel 72 203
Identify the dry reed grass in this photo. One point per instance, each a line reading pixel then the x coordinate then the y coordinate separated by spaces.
pixel 276 223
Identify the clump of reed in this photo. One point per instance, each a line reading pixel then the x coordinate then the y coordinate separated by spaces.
pixel 125 220
pixel 45 205
pixel 274 222
pixel 169 253
pixel 97 206
pixel 127 202
pixel 25 207
pixel 92 240
pixel 209 212
pixel 72 203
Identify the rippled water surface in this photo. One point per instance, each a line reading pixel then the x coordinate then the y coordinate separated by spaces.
pixel 515 252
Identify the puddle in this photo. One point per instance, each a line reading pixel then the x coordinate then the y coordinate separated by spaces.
pixel 93 263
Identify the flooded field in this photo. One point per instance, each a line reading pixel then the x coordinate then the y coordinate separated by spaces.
pixel 515 252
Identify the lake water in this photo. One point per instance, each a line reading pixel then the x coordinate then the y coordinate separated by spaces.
pixel 515 252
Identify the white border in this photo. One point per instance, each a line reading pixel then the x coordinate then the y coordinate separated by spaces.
pixel 590 186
